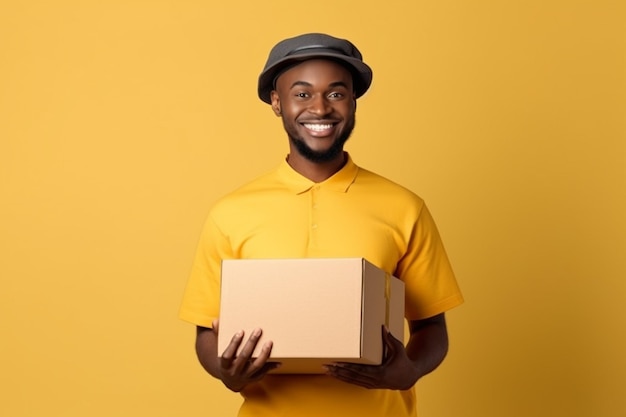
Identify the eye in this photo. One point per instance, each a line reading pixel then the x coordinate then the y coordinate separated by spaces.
pixel 336 95
pixel 302 94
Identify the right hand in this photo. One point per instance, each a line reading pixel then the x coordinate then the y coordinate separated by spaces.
pixel 239 370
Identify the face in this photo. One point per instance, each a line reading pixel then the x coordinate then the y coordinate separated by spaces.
pixel 316 102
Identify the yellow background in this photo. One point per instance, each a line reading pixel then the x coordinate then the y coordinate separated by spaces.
pixel 122 121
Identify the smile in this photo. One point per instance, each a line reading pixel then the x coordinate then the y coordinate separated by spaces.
pixel 316 127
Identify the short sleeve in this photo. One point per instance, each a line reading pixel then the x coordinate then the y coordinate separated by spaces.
pixel 430 284
pixel 201 300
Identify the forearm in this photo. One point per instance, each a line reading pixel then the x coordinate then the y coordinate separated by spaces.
pixel 206 350
pixel 428 344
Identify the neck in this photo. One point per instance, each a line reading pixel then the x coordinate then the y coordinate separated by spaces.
pixel 316 171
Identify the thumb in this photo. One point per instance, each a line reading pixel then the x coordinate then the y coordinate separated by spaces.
pixel 391 349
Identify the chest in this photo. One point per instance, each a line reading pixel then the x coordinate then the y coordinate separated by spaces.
pixel 321 224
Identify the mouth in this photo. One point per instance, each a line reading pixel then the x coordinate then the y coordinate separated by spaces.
pixel 319 129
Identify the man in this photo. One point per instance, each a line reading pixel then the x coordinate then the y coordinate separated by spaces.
pixel 319 203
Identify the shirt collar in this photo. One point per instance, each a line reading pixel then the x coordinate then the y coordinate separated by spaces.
pixel 299 184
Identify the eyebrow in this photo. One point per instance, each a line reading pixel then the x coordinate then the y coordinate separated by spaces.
pixel 307 84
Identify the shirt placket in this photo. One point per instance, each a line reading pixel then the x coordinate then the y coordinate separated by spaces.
pixel 314 217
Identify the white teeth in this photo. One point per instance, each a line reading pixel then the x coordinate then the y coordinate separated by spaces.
pixel 317 127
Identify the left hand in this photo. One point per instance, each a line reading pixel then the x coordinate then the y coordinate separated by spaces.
pixel 396 372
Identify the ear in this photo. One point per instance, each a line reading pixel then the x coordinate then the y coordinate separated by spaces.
pixel 275 103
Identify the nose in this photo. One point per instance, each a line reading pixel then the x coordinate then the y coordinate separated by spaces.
pixel 319 105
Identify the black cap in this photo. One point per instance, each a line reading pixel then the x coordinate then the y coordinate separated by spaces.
pixel 309 46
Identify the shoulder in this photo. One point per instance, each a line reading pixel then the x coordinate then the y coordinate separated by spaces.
pixel 247 194
pixel 377 185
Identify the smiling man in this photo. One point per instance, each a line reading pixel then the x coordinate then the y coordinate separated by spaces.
pixel 317 105
pixel 319 204
pixel 316 102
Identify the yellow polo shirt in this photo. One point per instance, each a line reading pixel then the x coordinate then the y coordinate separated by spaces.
pixel 354 213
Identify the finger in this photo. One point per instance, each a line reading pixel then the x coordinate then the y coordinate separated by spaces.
pixel 355 371
pixel 389 349
pixel 269 366
pixel 243 358
pixel 248 347
pixel 257 364
pixel 392 345
pixel 385 333
pixel 391 338
pixel 231 350
pixel 357 376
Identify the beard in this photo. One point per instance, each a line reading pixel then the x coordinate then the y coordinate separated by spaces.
pixel 327 155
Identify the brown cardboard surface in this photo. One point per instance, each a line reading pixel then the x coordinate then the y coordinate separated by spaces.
pixel 315 311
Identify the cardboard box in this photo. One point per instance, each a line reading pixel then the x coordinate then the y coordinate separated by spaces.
pixel 315 311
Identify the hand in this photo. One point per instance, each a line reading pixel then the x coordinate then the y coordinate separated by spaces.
pixel 237 371
pixel 397 371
